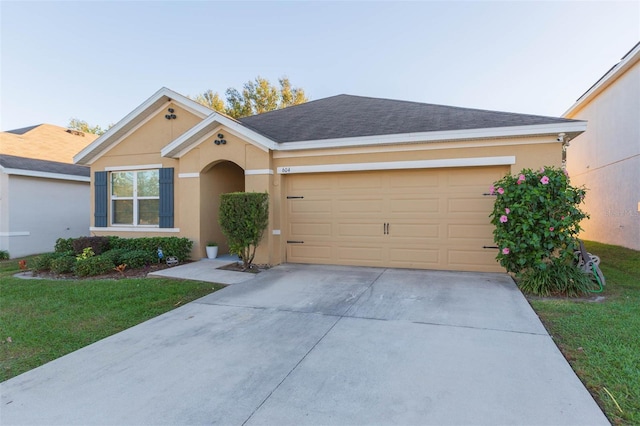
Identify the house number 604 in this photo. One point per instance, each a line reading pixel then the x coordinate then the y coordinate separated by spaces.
pixel 285 170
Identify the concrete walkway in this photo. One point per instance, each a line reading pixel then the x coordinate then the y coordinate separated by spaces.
pixel 206 270
pixel 320 345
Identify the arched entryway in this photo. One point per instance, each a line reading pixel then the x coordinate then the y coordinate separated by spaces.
pixel 217 178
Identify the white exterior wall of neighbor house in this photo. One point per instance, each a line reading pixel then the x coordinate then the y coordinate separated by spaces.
pixel 32 215
pixel 606 158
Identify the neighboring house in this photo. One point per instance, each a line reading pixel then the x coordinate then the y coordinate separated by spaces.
pixel 41 201
pixel 352 180
pixel 45 142
pixel 606 158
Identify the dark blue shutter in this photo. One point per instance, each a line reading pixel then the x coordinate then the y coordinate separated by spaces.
pixel 101 199
pixel 166 197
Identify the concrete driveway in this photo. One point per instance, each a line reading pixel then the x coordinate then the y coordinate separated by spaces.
pixel 320 345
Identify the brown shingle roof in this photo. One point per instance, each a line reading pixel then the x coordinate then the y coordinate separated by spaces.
pixel 44 142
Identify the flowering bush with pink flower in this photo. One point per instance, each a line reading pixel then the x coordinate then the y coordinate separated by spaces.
pixel 537 218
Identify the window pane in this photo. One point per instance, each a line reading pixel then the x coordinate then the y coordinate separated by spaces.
pixel 148 211
pixel 123 212
pixel 122 184
pixel 148 185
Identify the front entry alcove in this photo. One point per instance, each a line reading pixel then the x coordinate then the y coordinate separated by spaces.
pixel 217 178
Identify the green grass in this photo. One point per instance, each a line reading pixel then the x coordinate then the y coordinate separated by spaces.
pixel 45 319
pixel 601 340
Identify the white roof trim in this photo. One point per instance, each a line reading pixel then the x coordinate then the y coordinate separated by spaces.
pixel 133 229
pixel 200 131
pixel 612 75
pixel 448 135
pixel 45 175
pixel 97 147
pixel 400 165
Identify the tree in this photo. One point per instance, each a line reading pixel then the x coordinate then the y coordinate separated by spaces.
pixel 537 218
pixel 257 96
pixel 83 126
pixel 211 100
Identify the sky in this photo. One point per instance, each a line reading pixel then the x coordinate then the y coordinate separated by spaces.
pixel 99 60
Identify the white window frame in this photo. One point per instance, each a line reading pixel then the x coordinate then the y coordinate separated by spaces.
pixel 135 198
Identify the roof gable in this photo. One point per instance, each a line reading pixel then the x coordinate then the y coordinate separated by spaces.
pixel 134 119
pixel 347 116
pixel 628 60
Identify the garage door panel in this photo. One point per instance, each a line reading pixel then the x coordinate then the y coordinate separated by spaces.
pixel 479 232
pixel 311 229
pixel 360 181
pixel 414 205
pixel 469 206
pixel 414 230
pixel 365 206
pixel 366 230
pixel 437 219
pixel 310 253
pixel 415 180
pixel 359 255
pixel 481 260
pixel 310 206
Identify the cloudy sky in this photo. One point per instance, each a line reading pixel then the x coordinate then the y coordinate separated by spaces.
pixel 98 60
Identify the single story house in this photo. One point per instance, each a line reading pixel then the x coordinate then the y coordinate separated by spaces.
pixel 606 158
pixel 41 201
pixel 352 180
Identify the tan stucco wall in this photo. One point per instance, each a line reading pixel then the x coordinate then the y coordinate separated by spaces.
pixel 529 152
pixel 606 159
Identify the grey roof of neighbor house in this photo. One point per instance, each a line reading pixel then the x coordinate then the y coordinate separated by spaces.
pixel 345 116
pixel 22 163
pixel 23 130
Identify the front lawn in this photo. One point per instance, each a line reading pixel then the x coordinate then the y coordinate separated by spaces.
pixel 601 339
pixel 41 320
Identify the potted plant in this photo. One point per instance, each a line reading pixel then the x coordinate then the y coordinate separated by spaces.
pixel 212 250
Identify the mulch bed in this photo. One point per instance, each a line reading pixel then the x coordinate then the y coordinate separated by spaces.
pixel 112 275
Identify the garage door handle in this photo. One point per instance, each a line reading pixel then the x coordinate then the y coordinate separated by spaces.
pixel 294 197
pixel 490 247
pixel 385 228
pixel 294 242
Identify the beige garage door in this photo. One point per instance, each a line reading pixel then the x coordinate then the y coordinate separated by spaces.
pixel 428 219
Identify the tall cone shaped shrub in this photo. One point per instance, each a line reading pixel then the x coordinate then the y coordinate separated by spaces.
pixel 537 218
pixel 243 217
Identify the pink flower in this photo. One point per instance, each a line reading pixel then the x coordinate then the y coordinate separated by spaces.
pixel 507 210
pixel 562 218
pixel 551 229
pixel 566 173
pixel 544 180
pixel 541 169
pixel 503 219
pixel 506 250
pixel 492 190
pixel 500 191
pixel 521 179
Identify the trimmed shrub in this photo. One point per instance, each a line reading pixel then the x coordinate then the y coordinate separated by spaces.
pixel 4 255
pixel 138 258
pixel 94 265
pixel 63 245
pixel 98 244
pixel 63 264
pixel 171 246
pixel 43 262
pixel 115 255
pixel 243 217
